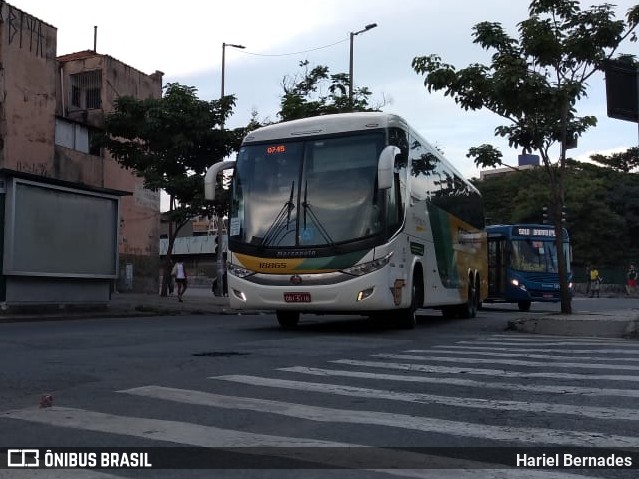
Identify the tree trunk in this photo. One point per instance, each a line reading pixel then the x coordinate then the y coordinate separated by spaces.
pixel 167 266
pixel 566 299
pixel 168 259
pixel 564 289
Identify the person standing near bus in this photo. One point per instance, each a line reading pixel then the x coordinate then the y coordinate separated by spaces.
pixel 588 270
pixel 179 274
pixel 595 282
pixel 631 280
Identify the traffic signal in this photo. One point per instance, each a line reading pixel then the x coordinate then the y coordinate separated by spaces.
pixel 544 215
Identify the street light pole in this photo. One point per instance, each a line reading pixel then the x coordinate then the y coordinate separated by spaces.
pixel 224 45
pixel 350 63
pixel 220 276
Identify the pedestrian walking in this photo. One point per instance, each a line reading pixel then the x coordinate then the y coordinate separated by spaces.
pixel 631 280
pixel 588 270
pixel 181 280
pixel 595 282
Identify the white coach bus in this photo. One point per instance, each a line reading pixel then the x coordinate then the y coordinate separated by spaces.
pixel 353 214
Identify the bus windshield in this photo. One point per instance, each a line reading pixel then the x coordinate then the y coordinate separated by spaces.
pixel 536 256
pixel 317 192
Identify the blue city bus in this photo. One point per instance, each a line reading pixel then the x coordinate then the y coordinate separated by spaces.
pixel 523 264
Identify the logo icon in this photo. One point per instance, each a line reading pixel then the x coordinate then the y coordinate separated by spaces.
pixel 23 457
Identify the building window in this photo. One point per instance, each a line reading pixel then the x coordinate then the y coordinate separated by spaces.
pixel 86 90
pixel 76 137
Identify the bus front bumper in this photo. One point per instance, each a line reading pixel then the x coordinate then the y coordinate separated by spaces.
pixel 371 292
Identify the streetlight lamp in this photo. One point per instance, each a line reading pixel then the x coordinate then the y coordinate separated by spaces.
pixel 224 45
pixel 350 68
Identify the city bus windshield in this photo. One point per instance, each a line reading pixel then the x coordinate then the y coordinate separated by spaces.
pixel 318 192
pixel 537 256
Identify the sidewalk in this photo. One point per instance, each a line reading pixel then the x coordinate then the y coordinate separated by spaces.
pixel 195 301
pixel 610 324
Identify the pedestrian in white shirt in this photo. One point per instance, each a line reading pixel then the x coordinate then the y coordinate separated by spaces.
pixel 179 274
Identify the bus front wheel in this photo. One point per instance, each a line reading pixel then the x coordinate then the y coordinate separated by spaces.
pixel 524 305
pixel 288 319
pixel 407 319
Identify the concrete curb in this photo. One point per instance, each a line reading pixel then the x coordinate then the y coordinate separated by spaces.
pixel 614 324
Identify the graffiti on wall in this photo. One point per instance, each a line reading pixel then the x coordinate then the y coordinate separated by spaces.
pixel 40 169
pixel 22 29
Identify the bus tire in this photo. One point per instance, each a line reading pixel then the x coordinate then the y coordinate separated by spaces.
pixel 478 291
pixel 468 310
pixel 523 305
pixel 288 319
pixel 406 317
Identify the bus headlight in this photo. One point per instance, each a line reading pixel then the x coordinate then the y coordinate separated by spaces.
pixel 238 270
pixel 517 284
pixel 365 268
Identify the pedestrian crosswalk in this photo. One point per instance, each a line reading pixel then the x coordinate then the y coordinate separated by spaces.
pixel 500 390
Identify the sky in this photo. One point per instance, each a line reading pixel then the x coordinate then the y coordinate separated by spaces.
pixel 184 40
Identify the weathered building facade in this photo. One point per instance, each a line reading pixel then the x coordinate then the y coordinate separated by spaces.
pixel 50 108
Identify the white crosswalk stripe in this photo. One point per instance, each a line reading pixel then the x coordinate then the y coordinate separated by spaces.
pixel 564 390
pixel 206 436
pixel 494 405
pixel 541 350
pixel 424 368
pixel 441 350
pixel 380 377
pixel 515 342
pixel 322 414
pixel 512 362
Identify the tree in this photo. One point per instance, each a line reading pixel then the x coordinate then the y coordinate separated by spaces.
pixel 602 209
pixel 625 161
pixel 534 82
pixel 170 142
pixel 307 95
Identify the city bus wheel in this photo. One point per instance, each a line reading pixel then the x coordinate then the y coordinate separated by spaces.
pixel 469 308
pixel 406 317
pixel 524 305
pixel 288 319
pixel 478 292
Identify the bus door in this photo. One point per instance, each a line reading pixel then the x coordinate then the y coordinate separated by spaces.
pixel 496 267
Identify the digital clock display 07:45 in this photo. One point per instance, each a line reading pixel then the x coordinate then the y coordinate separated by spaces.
pixel 271 150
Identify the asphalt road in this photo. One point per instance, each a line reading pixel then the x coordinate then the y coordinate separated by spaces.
pixel 333 384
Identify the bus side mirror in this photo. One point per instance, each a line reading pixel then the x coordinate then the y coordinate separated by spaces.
pixel 210 179
pixel 385 167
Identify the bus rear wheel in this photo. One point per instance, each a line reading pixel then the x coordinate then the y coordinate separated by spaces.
pixel 523 305
pixel 469 308
pixel 288 319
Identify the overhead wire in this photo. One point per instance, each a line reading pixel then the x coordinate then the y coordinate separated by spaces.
pixel 292 53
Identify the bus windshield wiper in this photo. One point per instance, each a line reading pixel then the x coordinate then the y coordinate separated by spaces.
pixel 315 220
pixel 281 222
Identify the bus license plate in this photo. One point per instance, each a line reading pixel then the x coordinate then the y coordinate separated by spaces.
pixel 297 297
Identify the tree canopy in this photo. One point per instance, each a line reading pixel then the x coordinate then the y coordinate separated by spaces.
pixel 315 92
pixel 601 209
pixel 170 142
pixel 534 82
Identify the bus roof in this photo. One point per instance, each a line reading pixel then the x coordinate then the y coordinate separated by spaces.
pixel 325 125
pixel 340 123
